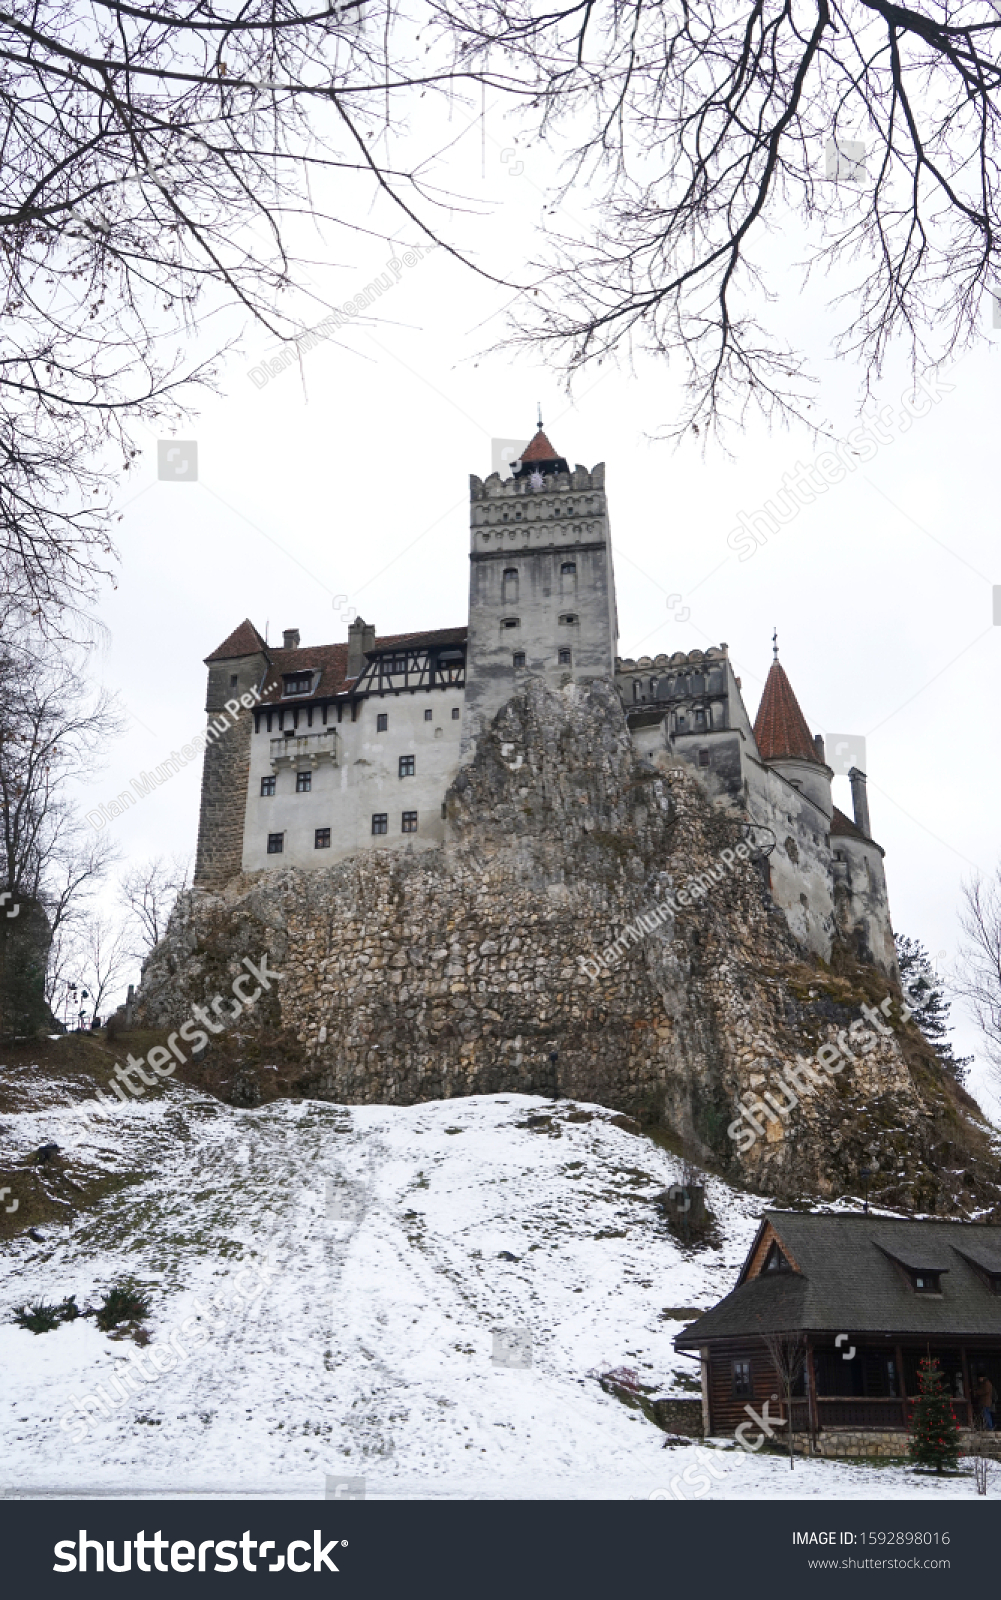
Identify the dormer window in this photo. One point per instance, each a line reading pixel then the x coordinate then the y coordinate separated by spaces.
pixel 927 1282
pixel 298 682
pixel 776 1260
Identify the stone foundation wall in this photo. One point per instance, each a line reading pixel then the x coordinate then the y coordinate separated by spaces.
pixel 879 1443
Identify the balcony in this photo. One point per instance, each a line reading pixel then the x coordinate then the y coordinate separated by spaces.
pixel 303 752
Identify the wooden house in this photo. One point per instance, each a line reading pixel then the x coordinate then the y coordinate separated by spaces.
pixel 868 1297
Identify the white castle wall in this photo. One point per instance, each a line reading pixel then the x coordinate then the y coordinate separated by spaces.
pixel 365 780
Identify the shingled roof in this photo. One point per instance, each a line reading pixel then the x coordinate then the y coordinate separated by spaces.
pixel 243 641
pixel 846 1281
pixel 331 660
pixel 780 728
pixel 540 449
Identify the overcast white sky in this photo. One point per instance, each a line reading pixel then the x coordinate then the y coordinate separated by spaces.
pixel 352 478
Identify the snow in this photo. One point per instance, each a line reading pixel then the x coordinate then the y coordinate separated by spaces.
pixel 326 1284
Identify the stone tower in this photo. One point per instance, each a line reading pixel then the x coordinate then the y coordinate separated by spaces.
pixel 541 586
pixel 240 664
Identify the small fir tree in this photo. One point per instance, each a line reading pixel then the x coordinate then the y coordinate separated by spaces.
pixel 925 996
pixel 935 1438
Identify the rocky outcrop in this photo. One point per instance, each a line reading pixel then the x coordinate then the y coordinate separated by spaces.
pixel 465 970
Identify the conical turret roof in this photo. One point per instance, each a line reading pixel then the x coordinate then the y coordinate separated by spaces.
pixel 780 727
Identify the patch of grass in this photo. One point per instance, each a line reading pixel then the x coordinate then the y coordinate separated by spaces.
pixel 41 1318
pixel 123 1303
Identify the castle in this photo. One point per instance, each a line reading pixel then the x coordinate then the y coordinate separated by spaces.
pixel 353 746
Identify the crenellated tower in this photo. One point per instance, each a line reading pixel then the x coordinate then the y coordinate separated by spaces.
pixel 541 585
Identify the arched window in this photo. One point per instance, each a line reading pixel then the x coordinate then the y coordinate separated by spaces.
pixel 568 578
pixel 510 595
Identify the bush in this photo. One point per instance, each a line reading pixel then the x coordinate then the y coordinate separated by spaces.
pixel 124 1303
pixel 41 1318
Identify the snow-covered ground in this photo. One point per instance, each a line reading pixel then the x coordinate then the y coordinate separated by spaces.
pixel 326 1285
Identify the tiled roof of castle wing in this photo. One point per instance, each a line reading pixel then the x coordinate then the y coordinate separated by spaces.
pixel 845 826
pixel 780 727
pixel 243 641
pixel 539 450
pixel 847 1282
pixel 331 660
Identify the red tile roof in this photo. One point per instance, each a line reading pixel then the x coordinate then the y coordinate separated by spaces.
pixel 540 449
pixel 780 727
pixel 331 661
pixel 840 824
pixel 243 641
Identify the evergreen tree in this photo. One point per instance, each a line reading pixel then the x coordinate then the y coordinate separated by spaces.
pixel 925 996
pixel 935 1439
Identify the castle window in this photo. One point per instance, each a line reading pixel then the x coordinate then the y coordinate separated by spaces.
pixel 380 822
pixel 408 766
pixel 564 658
pixel 276 844
pixel 569 619
pixel 510 586
pixel 428 715
pixel 233 680
pixel 455 713
pixel 568 578
pixel 382 722
pixel 636 688
pixel 444 811
pixel 703 758
pixel 518 659
pixel 321 839
pixel 303 782
pixel 700 719
pixel 510 622
pixel 298 682
pixel 268 785
pixel 399 664
pixel 409 822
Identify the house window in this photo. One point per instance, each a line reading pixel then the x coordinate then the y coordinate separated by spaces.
pixel 700 719
pixel 399 664
pixel 519 658
pixel 268 785
pixel 741 1378
pixel 380 822
pixel 409 822
pixel 928 1282
pixel 776 1261
pixel 298 682
pixel 564 658
pixel 703 758
pixel 276 844
pixel 510 622
pixel 408 766
pixel 382 722
pixel 428 716
pixel 303 782
pixel 455 713
pixel 510 586
pixel 233 680
pixel 321 839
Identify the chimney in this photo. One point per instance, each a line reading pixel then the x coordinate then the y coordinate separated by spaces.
pixel 290 639
pixel 361 637
pixel 818 745
pixel 860 804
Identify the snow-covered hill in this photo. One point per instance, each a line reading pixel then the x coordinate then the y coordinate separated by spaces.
pixel 326 1285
